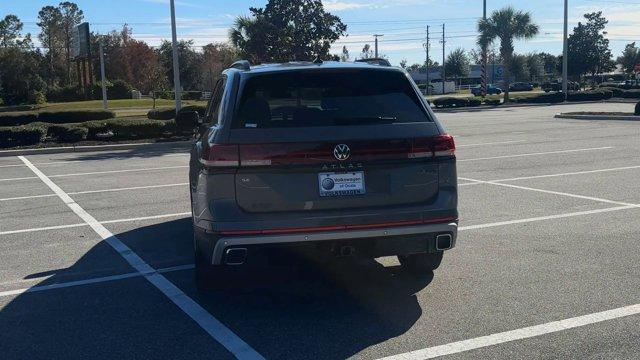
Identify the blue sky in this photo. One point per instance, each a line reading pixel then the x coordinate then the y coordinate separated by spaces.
pixel 403 22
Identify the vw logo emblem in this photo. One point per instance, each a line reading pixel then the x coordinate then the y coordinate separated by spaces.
pixel 341 152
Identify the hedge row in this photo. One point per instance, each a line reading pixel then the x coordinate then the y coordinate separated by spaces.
pixel 170 113
pixel 21 135
pixel 449 102
pixel 102 130
pixel 623 87
pixel 556 97
pixel 54 117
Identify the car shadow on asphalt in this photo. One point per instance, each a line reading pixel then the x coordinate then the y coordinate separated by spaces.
pixel 142 152
pixel 302 309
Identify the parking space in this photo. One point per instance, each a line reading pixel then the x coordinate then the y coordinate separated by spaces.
pixel 548 232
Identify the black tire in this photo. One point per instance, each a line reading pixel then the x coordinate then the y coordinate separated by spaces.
pixel 421 263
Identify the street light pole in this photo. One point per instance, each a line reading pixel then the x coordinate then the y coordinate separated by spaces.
pixel 376 46
pixel 444 74
pixel 483 70
pixel 565 50
pixel 176 65
pixel 426 64
pixel 103 78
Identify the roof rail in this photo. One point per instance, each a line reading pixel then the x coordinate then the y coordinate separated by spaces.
pixel 375 61
pixel 241 65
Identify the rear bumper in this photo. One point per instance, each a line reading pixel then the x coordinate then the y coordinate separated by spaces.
pixel 377 234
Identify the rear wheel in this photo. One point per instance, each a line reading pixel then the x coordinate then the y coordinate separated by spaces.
pixel 421 263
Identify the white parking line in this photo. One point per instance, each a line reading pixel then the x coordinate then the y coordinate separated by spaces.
pixel 153 217
pixel 96 191
pixel 19 178
pixel 536 154
pixel 62 285
pixel 555 175
pixel 45 228
pixel 554 192
pixel 518 334
pixel 210 324
pixel 492 143
pixel 120 171
pixel 102 172
pixel 568 173
pixel 28 197
pixel 542 218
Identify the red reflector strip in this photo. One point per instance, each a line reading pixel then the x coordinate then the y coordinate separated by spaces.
pixel 337 227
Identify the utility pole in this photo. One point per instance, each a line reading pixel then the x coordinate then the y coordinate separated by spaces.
pixel 444 75
pixel 376 41
pixel 483 71
pixel 176 65
pixel 103 78
pixel 565 50
pixel 426 64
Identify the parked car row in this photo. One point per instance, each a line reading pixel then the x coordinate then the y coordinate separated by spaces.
pixel 557 86
pixel 491 90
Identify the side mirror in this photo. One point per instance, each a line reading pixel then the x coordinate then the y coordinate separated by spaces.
pixel 188 119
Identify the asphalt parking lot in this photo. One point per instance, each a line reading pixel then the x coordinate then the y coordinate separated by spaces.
pixel 96 259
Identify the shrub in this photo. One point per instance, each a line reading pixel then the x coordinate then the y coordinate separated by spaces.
pixel 163 94
pixel 494 102
pixel 170 113
pixel 67 133
pixel 74 116
pixel 554 97
pixel 448 102
pixel 119 90
pixel 22 135
pixel 631 94
pixel 18 118
pixel 474 102
pixel 125 128
pixel 617 92
pixel 161 114
pixel 64 94
pixel 637 109
pixel 593 95
pixel 192 95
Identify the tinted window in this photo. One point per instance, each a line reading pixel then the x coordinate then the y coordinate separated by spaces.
pixel 328 98
pixel 213 108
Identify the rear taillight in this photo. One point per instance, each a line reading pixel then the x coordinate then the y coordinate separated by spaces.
pixel 433 146
pixel 217 155
pixel 318 153
pixel 284 154
pixel 443 145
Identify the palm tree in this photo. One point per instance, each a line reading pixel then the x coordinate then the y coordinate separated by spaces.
pixel 249 35
pixel 507 25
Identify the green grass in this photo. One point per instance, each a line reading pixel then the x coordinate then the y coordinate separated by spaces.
pixel 125 107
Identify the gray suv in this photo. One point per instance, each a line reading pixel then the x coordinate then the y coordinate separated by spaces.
pixel 327 158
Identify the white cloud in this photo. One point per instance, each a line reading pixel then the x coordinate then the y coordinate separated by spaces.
pixel 177 3
pixel 344 5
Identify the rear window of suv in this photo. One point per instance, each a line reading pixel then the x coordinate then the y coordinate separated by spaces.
pixel 328 98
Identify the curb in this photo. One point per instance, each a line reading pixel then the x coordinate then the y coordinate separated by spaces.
pixel 89 148
pixel 485 107
pixel 597 117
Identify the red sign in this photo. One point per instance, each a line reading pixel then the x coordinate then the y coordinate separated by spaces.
pixel 637 68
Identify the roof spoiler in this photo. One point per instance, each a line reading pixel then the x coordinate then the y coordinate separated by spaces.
pixel 375 61
pixel 241 65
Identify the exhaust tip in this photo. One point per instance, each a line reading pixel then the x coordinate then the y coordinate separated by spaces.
pixel 444 242
pixel 235 256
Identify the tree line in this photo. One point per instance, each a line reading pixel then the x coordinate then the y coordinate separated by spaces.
pixel 284 30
